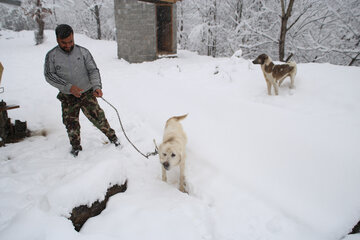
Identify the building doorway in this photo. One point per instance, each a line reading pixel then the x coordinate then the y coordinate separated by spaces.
pixel 164 28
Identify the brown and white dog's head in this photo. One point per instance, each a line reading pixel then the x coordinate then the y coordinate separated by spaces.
pixel 262 59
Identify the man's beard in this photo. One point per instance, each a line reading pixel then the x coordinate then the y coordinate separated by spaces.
pixel 71 48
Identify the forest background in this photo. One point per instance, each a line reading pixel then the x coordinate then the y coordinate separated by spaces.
pixel 311 30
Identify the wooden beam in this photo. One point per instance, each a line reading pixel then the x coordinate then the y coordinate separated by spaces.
pixel 8 107
pixel 11 2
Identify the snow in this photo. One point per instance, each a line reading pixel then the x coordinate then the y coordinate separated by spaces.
pixel 258 166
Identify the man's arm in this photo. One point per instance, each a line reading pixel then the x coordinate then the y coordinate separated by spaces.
pixel 93 71
pixel 53 79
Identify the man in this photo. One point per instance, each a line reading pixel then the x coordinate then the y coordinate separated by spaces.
pixel 72 69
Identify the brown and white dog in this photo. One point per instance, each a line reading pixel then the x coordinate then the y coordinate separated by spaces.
pixel 275 74
pixel 172 149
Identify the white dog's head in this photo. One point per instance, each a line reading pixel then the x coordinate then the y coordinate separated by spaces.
pixel 170 155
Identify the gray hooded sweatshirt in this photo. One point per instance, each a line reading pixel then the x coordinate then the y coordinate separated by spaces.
pixel 63 69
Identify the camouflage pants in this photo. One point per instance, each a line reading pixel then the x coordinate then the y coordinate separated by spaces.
pixel 88 104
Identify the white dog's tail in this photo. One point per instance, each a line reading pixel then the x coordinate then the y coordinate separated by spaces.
pixel 179 118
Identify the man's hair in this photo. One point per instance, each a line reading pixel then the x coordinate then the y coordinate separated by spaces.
pixel 63 31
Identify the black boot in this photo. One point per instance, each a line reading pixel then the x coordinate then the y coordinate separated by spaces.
pixel 115 141
pixel 75 150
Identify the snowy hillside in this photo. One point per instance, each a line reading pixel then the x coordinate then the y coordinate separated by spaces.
pixel 258 166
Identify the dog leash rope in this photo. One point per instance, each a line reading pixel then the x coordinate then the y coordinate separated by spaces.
pixel 122 128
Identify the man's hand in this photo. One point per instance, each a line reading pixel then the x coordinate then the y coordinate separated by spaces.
pixel 76 91
pixel 98 93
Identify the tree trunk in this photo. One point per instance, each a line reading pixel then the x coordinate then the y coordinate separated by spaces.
pixel 181 26
pixel 285 15
pixel 214 43
pixel 97 18
pixel 41 24
pixel 238 13
pixel 282 38
pixel 39 35
pixel 209 52
pixel 212 40
pixel 40 32
pixel 55 17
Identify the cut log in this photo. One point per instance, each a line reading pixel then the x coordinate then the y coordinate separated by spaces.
pixel 82 213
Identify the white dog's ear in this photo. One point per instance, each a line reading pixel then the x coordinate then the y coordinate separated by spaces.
pixel 159 150
pixel 180 155
pixel 160 147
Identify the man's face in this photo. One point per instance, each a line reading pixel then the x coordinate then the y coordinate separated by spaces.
pixel 66 44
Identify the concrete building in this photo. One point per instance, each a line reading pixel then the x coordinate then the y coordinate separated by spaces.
pixel 145 29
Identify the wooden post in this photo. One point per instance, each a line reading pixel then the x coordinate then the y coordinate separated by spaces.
pixel 1 71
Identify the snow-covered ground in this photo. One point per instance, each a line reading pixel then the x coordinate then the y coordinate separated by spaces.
pixel 258 167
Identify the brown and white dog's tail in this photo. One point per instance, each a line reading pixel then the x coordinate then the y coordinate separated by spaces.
pixel 293 64
pixel 179 118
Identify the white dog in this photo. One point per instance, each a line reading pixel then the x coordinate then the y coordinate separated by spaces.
pixel 172 149
pixel 275 74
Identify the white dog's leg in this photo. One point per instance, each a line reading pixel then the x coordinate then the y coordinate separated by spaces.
pixel 182 177
pixel 164 177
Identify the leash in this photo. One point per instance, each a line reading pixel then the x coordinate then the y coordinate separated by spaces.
pixel 122 128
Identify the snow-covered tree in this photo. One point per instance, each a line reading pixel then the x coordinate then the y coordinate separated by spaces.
pixel 314 31
pixel 13 18
pixel 207 33
pixel 96 18
pixel 37 10
pixel 60 12
pixel 94 6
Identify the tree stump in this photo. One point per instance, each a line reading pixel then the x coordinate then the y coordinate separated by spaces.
pixel 10 133
pixel 356 229
pixel 82 213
